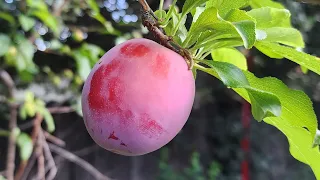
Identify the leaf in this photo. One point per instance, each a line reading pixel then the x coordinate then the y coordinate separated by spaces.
pixel 210 21
pixel 24 56
pixel 40 10
pixel 98 16
pixel 264 103
pixel 194 72
pixel 83 64
pixel 26 22
pixel 230 55
pixel 297 114
pixel 23 112
pixel 191 4
pixel 297 120
pixel 245 26
pixel 265 3
pixel 93 6
pixel 267 17
pixel 224 6
pixel 304 59
pixel 197 13
pixel 48 119
pixel 37 4
pixel 93 52
pixel 5 44
pixel 288 36
pixel 8 17
pixel 25 145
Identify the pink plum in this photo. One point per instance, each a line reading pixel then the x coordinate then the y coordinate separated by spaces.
pixel 137 97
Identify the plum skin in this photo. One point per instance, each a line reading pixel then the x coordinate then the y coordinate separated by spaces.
pixel 137 98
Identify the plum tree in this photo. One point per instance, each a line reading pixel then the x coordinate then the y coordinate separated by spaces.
pixel 137 97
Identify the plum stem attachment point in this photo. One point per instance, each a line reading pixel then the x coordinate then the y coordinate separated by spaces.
pixel 150 20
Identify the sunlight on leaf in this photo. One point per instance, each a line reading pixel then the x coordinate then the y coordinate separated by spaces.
pixel 304 59
pixel 25 146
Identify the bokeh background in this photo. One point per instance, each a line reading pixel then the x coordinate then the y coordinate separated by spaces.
pixel 48 48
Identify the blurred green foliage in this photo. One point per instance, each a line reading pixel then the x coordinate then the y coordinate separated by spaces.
pixel 193 171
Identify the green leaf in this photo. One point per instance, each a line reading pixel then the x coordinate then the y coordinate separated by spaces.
pixel 288 36
pixel 48 119
pixel 304 59
pixel 265 3
pixel 264 103
pixel 98 16
pixel 210 21
pixel 83 64
pixel 26 22
pixel 297 120
pixel 40 10
pixel 40 105
pixel 160 13
pixel 224 6
pixel 196 13
pixel 37 4
pixel 25 145
pixel 8 17
pixel 304 69
pixel 230 55
pixel 24 56
pixel 189 5
pixel 93 6
pixel 194 72
pixel 4 44
pixel 297 114
pixel 23 112
pixel 267 17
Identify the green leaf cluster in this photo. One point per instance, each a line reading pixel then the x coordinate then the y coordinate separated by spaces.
pixel 219 29
pixel 32 105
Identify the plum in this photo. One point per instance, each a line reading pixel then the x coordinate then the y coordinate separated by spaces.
pixel 137 97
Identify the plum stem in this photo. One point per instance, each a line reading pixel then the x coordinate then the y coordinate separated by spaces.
pixel 150 20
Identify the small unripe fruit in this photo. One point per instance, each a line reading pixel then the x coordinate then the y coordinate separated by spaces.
pixel 137 97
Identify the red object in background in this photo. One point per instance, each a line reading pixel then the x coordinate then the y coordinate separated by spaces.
pixel 245 142
pixel 245 120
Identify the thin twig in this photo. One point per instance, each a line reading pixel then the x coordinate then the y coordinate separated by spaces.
pixel 39 153
pixel 77 160
pixel 31 162
pixel 60 110
pixel 6 78
pixel 54 139
pixel 49 157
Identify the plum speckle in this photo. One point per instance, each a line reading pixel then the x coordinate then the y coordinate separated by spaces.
pixel 113 136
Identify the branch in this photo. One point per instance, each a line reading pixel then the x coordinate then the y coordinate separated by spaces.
pixel 36 129
pixel 77 160
pixel 39 154
pixel 51 164
pixel 6 78
pixel 54 139
pixel 60 110
pixel 31 162
pixel 150 20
